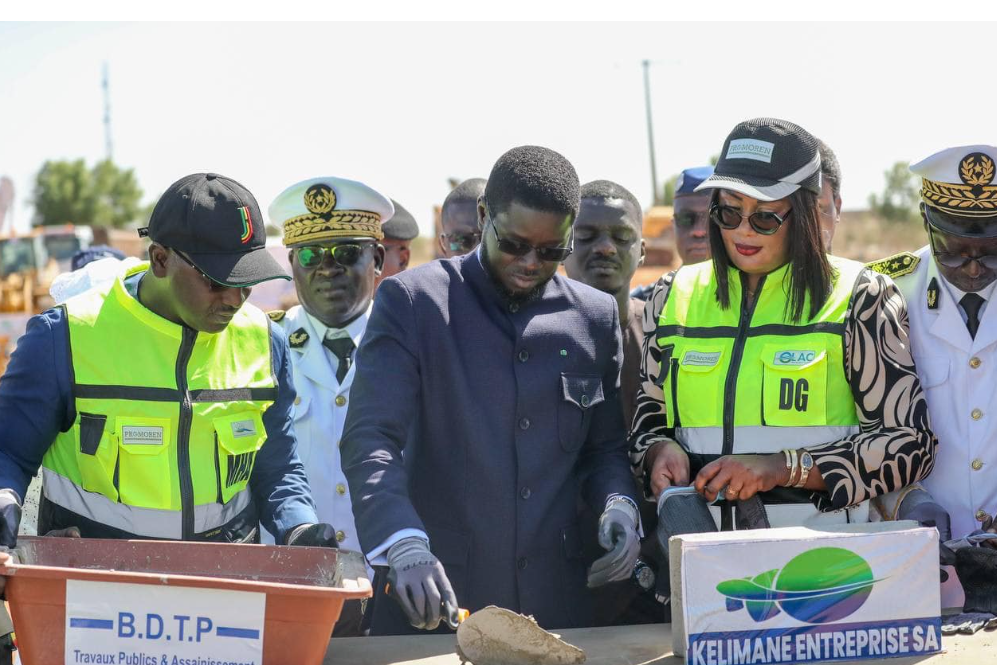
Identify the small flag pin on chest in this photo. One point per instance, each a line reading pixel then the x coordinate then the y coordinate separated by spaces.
pixel 564 352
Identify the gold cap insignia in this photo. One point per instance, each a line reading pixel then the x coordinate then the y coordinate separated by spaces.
pixel 323 222
pixel 975 197
pixel 320 199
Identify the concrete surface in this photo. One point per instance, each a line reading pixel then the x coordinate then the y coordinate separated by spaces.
pixel 622 645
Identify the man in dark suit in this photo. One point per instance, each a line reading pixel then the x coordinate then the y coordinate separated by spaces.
pixel 500 381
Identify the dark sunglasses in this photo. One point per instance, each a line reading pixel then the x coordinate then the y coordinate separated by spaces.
pixel 517 248
pixel 687 218
pixel 212 284
pixel 951 260
pixel 461 242
pixel 345 254
pixel 763 222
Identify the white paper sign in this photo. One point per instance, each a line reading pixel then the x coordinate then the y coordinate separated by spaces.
pixel 141 624
pixel 797 595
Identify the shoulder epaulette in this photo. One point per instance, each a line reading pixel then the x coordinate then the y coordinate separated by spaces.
pixel 897 265
pixel 277 315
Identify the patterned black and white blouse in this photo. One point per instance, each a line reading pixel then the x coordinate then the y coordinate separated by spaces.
pixel 894 446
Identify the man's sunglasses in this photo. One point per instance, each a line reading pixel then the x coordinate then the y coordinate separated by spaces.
pixel 345 254
pixel 763 222
pixel 951 260
pixel 212 284
pixel 687 218
pixel 461 242
pixel 518 248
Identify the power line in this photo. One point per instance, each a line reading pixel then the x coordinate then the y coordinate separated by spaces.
pixel 107 114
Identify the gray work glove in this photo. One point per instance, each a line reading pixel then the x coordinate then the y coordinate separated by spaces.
pixel 417 581
pixel 10 517
pixel 923 509
pixel 618 535
pixel 312 535
pixel 968 623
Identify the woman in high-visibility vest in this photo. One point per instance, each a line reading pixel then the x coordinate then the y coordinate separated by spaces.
pixel 775 368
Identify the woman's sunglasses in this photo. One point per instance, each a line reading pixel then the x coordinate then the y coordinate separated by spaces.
pixel 763 222
pixel 518 248
pixel 345 254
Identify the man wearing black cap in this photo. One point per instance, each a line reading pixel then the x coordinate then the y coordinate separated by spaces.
pixel 159 406
pixel 399 231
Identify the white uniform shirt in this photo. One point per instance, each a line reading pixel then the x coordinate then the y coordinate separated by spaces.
pixel 958 374
pixel 319 415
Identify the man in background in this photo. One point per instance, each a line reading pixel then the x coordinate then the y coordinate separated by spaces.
pixel 690 219
pixel 399 232
pixel 332 228
pixel 459 218
pixel 608 250
pixel 691 216
pixel 829 201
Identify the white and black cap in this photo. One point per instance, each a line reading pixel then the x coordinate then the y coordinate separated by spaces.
pixel 767 159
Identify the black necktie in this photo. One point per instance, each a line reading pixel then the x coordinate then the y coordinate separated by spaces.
pixel 971 303
pixel 343 348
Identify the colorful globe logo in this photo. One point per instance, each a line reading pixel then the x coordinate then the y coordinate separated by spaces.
pixel 821 585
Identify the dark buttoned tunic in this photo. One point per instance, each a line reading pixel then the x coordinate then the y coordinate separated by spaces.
pixel 505 413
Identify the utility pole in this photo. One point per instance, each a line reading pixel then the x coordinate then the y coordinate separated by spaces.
pixel 655 185
pixel 107 114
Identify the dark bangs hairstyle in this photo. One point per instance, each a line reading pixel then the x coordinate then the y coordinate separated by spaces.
pixel 810 273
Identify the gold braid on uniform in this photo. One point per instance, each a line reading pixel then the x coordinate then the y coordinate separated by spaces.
pixel 897 265
pixel 332 225
pixel 977 197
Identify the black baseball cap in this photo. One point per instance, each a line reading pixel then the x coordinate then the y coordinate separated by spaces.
pixel 767 159
pixel 217 224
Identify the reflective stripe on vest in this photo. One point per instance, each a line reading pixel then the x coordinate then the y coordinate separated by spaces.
pixel 145 522
pixel 168 420
pixel 746 380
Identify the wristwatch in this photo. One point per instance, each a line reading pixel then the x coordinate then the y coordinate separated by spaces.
pixel 806 463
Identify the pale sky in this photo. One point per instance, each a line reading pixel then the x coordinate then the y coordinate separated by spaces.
pixel 405 106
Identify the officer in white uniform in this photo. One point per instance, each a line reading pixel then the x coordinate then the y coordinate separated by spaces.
pixel 953 330
pixel 332 227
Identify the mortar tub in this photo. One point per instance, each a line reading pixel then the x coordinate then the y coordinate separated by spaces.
pixel 305 587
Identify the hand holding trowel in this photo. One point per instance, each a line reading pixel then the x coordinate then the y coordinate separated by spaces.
pixel 491 636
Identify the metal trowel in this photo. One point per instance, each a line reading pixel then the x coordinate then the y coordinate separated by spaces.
pixel 497 636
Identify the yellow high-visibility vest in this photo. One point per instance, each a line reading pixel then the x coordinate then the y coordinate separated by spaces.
pixel 168 419
pixel 749 380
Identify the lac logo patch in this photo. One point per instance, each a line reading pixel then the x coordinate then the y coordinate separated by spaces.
pixel 320 199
